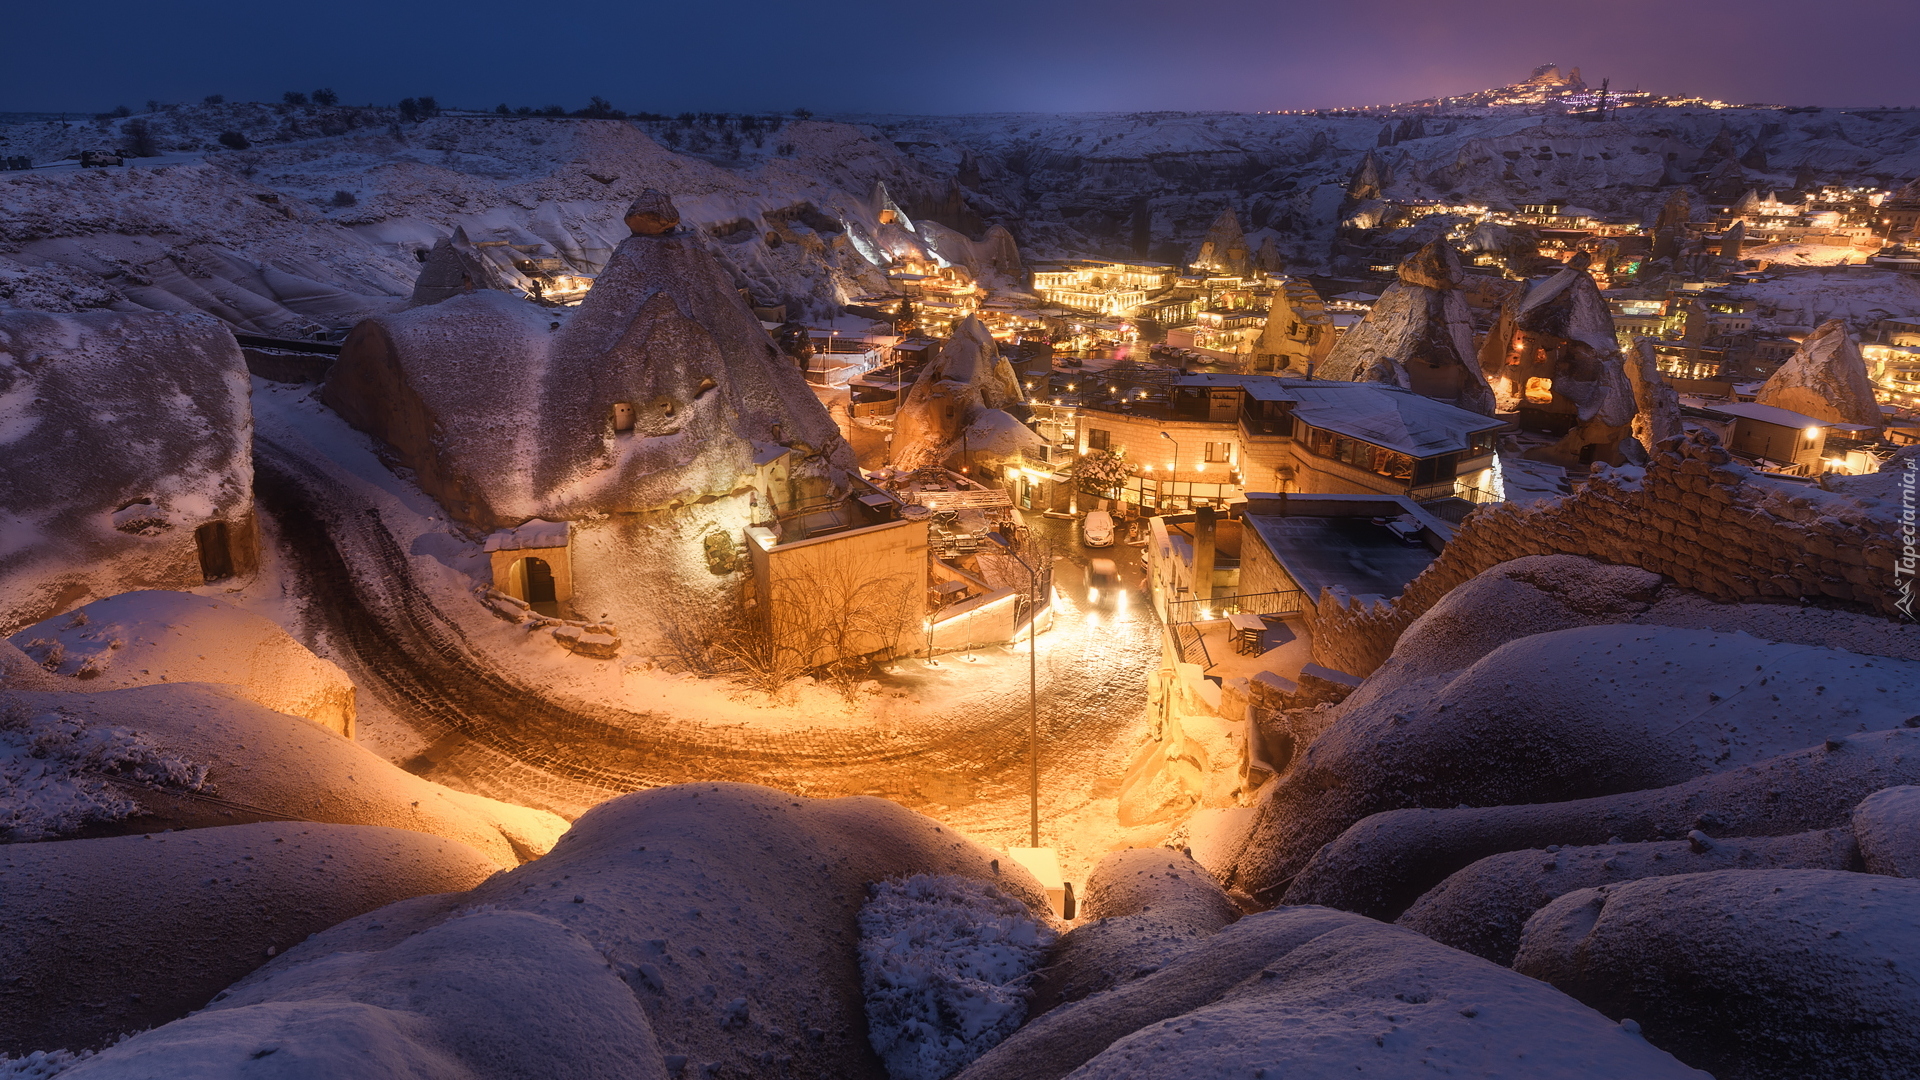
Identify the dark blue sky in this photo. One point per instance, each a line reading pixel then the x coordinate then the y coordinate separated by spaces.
pixel 947 56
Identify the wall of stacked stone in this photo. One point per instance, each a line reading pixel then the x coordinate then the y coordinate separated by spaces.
pixel 1691 515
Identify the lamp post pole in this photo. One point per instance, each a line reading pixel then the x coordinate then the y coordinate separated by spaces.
pixel 1173 474
pixel 1033 692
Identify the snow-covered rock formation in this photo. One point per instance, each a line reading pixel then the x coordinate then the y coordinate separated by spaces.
pixel 1749 974
pixel 455 267
pixel 1483 908
pixel 1554 355
pixel 1141 908
pixel 1224 249
pixel 645 419
pixel 1418 336
pixel 115 935
pixel 147 637
pixel 127 439
pixel 197 755
pixel 968 387
pixel 1310 992
pixel 1825 378
pixel 707 928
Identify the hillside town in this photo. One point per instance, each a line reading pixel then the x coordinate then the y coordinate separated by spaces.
pixel 639 582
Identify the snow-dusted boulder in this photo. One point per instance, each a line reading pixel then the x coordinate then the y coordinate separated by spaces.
pixel 1142 908
pixel 1385 862
pixel 1570 714
pixel 1418 335
pixel 1656 415
pixel 1751 975
pixel 153 636
pixel 969 378
pixel 201 755
pixel 127 441
pixel 1311 993
pixel 1887 826
pixel 1825 378
pixel 1483 908
pixel 711 929
pixel 118 934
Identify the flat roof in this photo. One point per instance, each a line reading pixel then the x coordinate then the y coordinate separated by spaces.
pixel 1386 416
pixel 1350 552
pixel 1768 414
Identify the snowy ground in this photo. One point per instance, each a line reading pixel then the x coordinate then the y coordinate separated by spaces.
pixel 948 738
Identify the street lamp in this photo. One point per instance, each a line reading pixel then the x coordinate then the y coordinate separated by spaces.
pixel 1033 691
pixel 1174 469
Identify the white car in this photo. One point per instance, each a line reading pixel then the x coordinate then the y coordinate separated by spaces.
pixel 1097 529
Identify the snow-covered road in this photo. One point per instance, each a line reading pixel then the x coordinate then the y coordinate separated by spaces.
pixel 963 754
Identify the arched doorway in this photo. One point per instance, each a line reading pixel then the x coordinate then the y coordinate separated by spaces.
pixel 531 579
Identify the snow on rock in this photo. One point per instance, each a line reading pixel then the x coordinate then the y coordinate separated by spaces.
pixel 1310 993
pixel 455 267
pixel 1825 378
pixel 199 739
pixel 1142 908
pixel 1512 600
pixel 1887 826
pixel 1749 974
pixel 727 912
pixel 57 772
pixel 1570 714
pixel 1483 908
pixel 968 379
pixel 485 995
pixel 1562 331
pixel 188 237
pixel 1385 862
pixel 123 434
pixel 152 636
pixel 118 934
pixel 945 962
pixel 1418 335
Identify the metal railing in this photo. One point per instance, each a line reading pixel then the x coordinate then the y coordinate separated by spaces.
pixel 1191 646
pixel 1283 602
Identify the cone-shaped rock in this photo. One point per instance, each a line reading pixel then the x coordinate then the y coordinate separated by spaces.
pixel 969 378
pixel 1224 248
pixel 1826 379
pixel 1418 335
pixel 651 418
pixel 454 268
pixel 1560 365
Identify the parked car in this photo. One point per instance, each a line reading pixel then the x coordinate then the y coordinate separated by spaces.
pixel 1097 529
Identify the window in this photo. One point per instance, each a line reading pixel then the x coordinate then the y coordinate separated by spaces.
pixel 1099 439
pixel 1219 451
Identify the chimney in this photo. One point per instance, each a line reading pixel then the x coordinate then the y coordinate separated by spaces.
pixel 1203 553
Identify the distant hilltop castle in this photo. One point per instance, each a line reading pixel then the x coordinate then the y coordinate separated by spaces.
pixel 1549 77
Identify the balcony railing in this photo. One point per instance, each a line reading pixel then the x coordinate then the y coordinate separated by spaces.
pixel 1283 602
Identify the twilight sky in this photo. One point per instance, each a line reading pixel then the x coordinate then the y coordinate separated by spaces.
pixel 947 56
